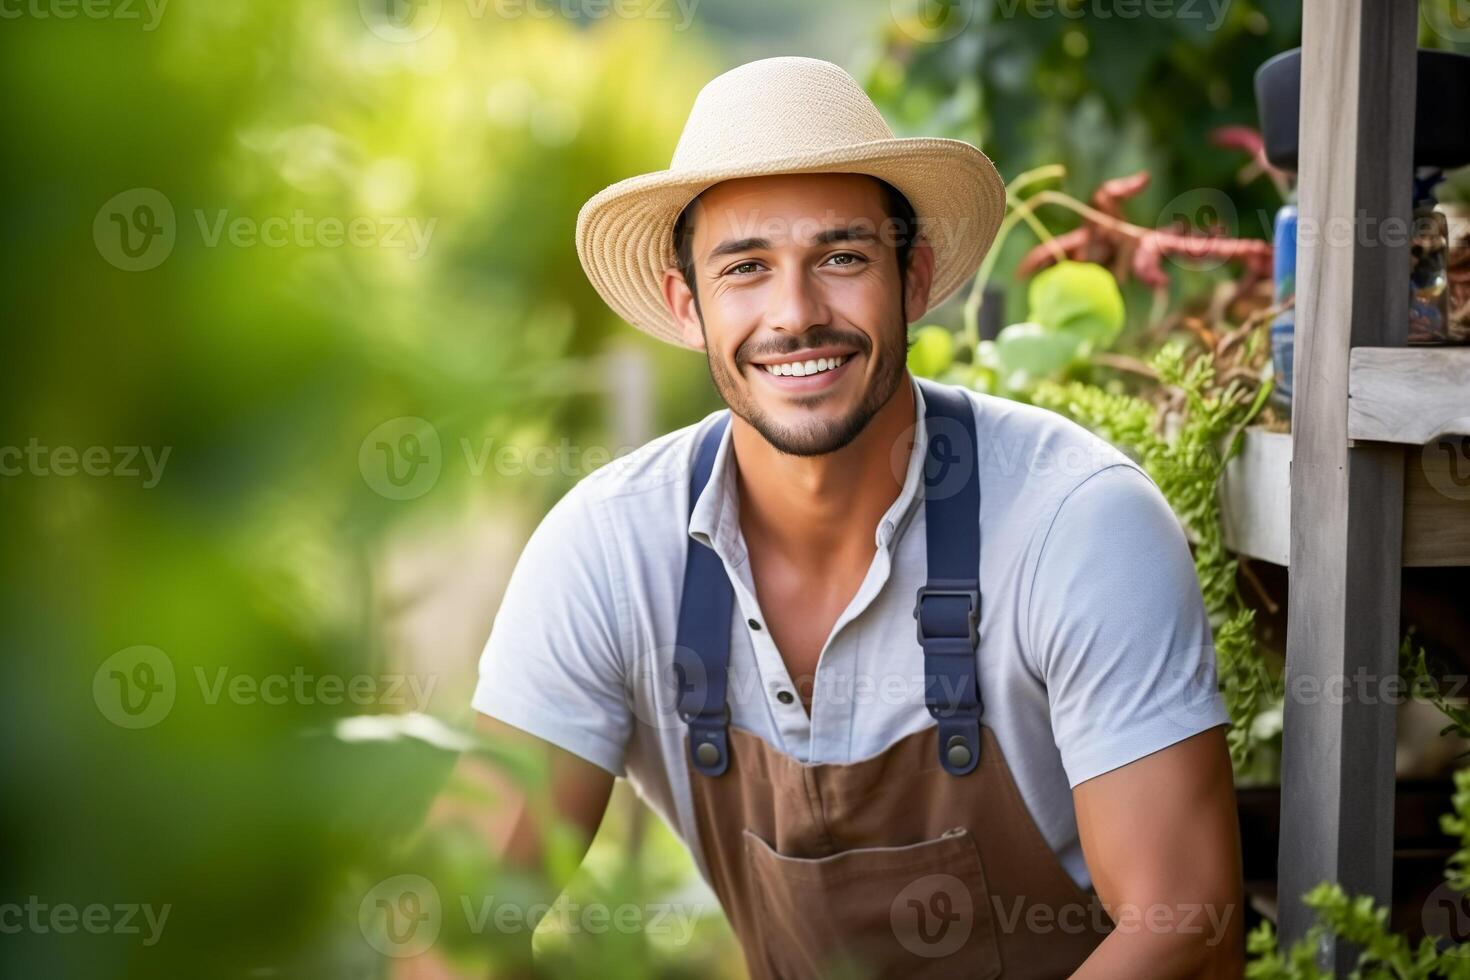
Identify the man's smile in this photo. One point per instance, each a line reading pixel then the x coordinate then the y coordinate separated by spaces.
pixel 810 370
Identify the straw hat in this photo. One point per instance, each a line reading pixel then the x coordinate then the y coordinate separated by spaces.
pixel 780 116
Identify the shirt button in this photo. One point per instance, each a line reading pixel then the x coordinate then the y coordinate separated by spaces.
pixel 753 624
pixel 785 697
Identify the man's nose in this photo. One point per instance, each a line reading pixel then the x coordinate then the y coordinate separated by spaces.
pixel 797 303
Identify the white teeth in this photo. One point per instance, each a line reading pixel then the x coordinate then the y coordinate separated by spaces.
pixel 800 369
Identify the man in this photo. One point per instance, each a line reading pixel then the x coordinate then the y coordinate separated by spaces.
pixel 921 676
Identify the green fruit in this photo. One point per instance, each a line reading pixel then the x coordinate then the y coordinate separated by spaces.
pixel 1080 298
pixel 933 351
pixel 1034 351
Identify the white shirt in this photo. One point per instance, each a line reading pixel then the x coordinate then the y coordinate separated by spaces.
pixel 1094 645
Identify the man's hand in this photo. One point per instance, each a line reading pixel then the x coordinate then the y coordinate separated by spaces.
pixel 1162 839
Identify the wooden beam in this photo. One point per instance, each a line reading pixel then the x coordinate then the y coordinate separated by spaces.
pixel 1413 395
pixel 1255 500
pixel 1337 775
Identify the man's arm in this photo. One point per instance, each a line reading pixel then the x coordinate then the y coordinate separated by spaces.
pixel 1121 636
pixel 576 794
pixel 1162 840
pixel 514 821
pixel 551 688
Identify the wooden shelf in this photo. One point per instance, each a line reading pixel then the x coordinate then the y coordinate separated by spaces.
pixel 1255 496
pixel 1411 395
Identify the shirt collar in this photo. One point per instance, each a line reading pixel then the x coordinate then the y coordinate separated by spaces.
pixel 715 520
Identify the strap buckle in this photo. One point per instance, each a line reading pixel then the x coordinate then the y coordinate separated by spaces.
pixel 942 589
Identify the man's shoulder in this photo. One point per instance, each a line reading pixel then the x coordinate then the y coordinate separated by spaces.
pixel 1035 455
pixel 656 470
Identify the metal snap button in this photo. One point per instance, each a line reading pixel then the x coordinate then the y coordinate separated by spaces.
pixel 957 752
pixel 708 754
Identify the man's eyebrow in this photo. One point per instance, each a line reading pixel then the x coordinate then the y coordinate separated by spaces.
pixel 851 233
pixel 827 236
pixel 733 246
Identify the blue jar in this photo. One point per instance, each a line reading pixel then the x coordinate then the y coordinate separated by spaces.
pixel 1283 327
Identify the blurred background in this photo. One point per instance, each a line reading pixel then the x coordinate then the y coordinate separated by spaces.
pixel 298 351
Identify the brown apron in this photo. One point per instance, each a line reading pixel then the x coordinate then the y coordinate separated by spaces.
pixel 912 863
pixel 888 867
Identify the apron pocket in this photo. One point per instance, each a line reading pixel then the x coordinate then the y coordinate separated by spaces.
pixel 918 910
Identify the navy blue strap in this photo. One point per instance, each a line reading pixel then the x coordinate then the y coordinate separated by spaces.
pixel 702 646
pixel 947 609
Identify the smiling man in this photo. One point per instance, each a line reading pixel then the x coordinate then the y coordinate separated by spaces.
pixel 921 676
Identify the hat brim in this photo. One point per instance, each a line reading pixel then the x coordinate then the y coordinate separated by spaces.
pixel 625 232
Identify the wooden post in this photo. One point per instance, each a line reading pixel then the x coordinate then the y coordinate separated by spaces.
pixel 1337 767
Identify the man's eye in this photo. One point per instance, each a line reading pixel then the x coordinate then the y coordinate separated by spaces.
pixel 852 258
pixel 749 267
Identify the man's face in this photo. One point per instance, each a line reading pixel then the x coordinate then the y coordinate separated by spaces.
pixel 800 304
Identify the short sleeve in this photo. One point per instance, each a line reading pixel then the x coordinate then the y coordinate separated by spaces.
pixel 1118 628
pixel 553 665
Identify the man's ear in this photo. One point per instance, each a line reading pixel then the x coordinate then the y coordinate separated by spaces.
pixel 680 300
pixel 919 278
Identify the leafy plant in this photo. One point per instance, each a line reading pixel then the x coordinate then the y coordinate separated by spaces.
pixel 1075 309
pixel 1384 955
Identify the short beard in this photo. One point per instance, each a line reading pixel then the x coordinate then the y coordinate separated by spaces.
pixel 820 436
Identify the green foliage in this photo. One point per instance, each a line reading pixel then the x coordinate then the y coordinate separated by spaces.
pixel 1104 94
pixel 1079 299
pixel 264 369
pixel 1383 955
pixel 1421 679
pixel 932 352
pixel 1025 352
pixel 1075 309
pixel 1186 462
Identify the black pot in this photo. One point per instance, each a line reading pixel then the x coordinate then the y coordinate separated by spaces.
pixel 1442 108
